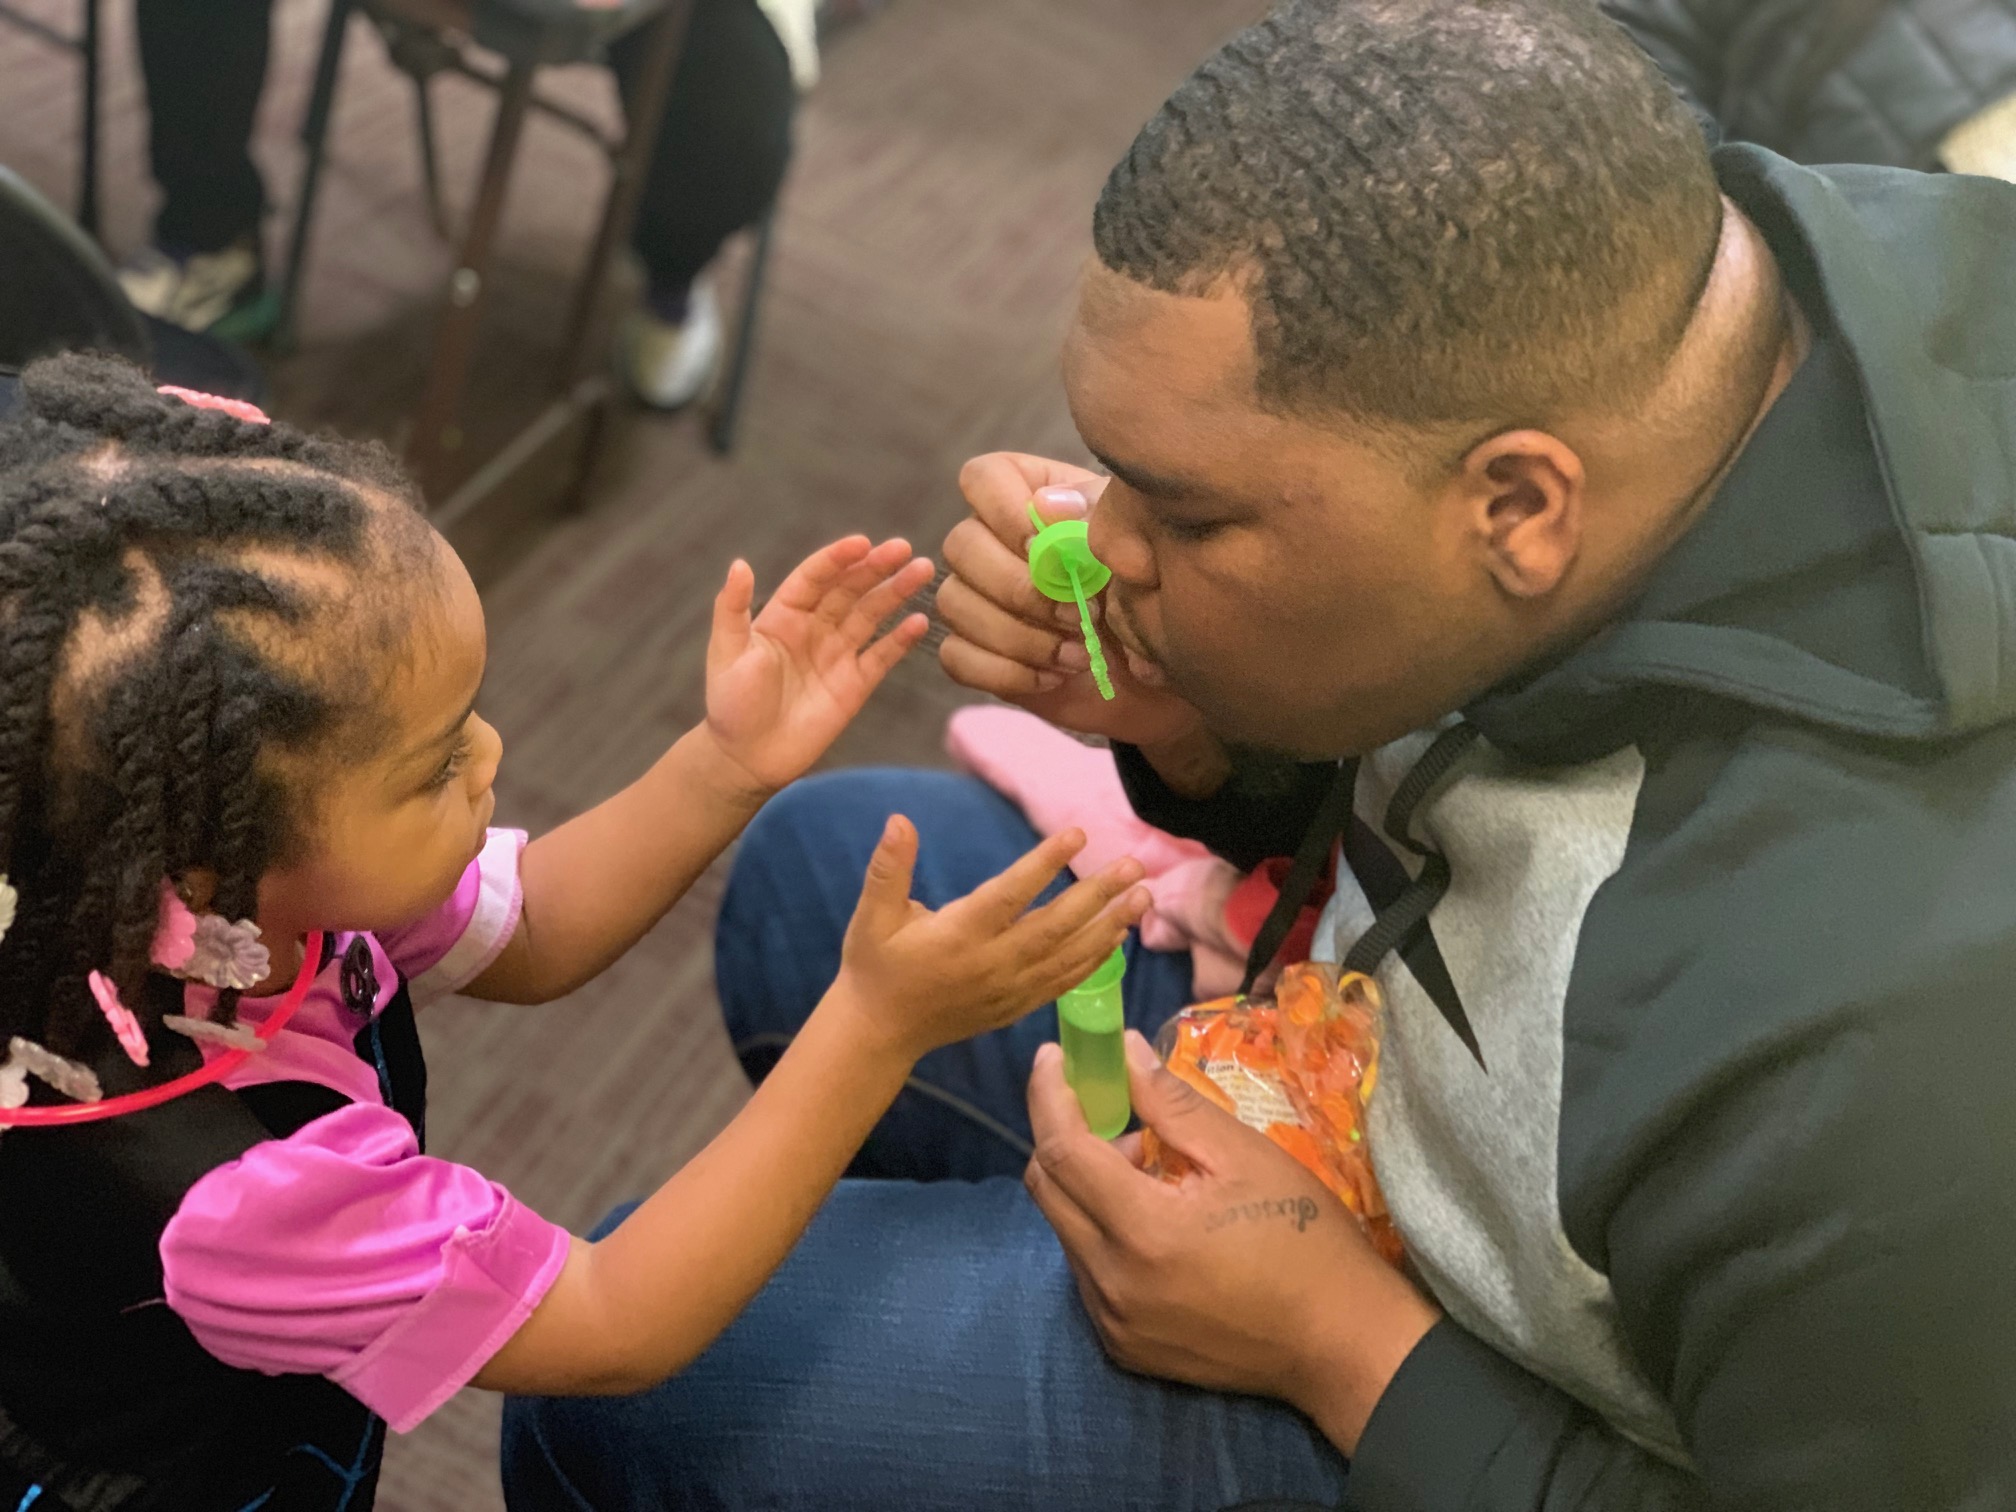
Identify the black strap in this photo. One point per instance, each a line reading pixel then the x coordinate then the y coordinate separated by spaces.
pixel 1324 831
pixel 1436 763
pixel 1399 922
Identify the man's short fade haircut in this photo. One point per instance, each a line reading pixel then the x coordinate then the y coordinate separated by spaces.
pixel 1442 211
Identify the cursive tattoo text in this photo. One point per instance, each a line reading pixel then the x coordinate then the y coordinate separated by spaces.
pixel 1300 1211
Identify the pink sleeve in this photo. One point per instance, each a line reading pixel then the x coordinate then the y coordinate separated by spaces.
pixel 344 1252
pixel 453 945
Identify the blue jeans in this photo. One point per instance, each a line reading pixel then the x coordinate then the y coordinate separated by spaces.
pixel 923 1348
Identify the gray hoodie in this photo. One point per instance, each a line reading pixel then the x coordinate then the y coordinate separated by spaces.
pixel 1698 1106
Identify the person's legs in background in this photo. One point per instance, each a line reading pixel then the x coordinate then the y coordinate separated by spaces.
pixel 204 62
pixel 720 158
pixel 777 949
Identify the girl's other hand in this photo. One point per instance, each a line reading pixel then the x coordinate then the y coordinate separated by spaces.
pixel 782 687
pixel 925 979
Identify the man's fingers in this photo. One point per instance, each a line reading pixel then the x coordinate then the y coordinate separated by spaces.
pixel 998 570
pixel 1098 1179
pixel 1181 1116
pixel 731 617
pixel 989 672
pixel 998 902
pixel 999 486
pixel 810 579
pixel 1081 1237
pixel 985 623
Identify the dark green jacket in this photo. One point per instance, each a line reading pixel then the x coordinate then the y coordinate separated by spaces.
pixel 1833 81
pixel 1698 1098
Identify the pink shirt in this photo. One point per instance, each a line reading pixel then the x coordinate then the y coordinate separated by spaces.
pixel 342 1251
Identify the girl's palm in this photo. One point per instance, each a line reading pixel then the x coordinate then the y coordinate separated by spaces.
pixel 782 687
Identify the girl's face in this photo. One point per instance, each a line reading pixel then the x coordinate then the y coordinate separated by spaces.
pixel 391 834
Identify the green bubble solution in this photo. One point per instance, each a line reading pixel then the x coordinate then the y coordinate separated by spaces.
pixel 1092 1027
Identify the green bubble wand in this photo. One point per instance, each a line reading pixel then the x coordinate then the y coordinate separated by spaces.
pixel 1063 568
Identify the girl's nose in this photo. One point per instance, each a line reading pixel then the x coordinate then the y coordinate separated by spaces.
pixel 487 756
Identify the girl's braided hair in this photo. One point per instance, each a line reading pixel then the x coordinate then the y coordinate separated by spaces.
pixel 172 646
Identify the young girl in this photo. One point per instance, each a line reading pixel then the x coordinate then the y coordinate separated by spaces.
pixel 240 674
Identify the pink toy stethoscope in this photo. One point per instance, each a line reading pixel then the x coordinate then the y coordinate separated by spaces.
pixel 203 1076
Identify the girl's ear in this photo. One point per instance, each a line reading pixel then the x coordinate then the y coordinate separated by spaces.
pixel 197 887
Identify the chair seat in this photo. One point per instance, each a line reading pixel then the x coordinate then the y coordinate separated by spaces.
pixel 559 31
pixel 567 31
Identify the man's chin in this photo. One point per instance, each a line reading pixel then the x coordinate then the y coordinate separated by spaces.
pixel 1261 737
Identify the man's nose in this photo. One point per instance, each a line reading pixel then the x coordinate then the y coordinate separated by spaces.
pixel 1117 542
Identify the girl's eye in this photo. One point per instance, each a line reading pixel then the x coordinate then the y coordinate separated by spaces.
pixel 451 768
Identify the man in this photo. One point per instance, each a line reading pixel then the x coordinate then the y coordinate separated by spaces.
pixel 1636 535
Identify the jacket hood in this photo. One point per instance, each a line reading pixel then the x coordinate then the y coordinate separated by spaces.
pixel 1916 274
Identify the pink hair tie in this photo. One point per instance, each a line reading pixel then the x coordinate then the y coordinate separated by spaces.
pixel 237 409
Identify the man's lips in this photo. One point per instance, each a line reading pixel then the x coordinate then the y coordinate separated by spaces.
pixel 1143 668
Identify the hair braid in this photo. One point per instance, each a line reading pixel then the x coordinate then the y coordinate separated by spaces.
pixel 156 652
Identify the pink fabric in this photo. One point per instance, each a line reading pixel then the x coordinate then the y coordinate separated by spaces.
pixel 443 952
pixel 345 1252
pixel 341 1250
pixel 1059 784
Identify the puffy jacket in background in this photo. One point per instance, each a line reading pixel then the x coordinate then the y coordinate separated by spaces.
pixel 1835 81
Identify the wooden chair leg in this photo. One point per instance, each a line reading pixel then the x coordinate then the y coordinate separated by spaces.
pixel 315 139
pixel 430 155
pixel 87 172
pixel 626 189
pixel 437 431
pixel 728 410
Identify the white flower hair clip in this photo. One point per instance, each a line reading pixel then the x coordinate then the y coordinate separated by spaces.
pixel 204 1032
pixel 25 1058
pixel 10 900
pixel 227 955
pixel 208 948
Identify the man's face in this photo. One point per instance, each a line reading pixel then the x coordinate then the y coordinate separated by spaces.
pixel 1295 584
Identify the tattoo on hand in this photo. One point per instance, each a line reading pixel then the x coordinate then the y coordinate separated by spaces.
pixel 1300 1211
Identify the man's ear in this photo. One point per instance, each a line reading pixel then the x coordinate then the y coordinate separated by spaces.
pixel 1523 494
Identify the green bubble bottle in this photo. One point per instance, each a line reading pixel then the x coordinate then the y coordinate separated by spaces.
pixel 1092 1027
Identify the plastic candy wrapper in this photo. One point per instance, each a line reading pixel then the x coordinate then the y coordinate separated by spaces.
pixel 1301 1069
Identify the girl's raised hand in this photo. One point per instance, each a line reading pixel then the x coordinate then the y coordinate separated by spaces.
pixel 923 979
pixel 782 687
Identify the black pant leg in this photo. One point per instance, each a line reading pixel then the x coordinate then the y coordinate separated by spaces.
pixel 204 62
pixel 725 140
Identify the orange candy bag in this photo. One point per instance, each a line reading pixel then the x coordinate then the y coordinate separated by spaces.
pixel 1301 1069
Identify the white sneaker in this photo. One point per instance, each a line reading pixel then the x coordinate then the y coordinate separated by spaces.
pixel 670 365
pixel 196 294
